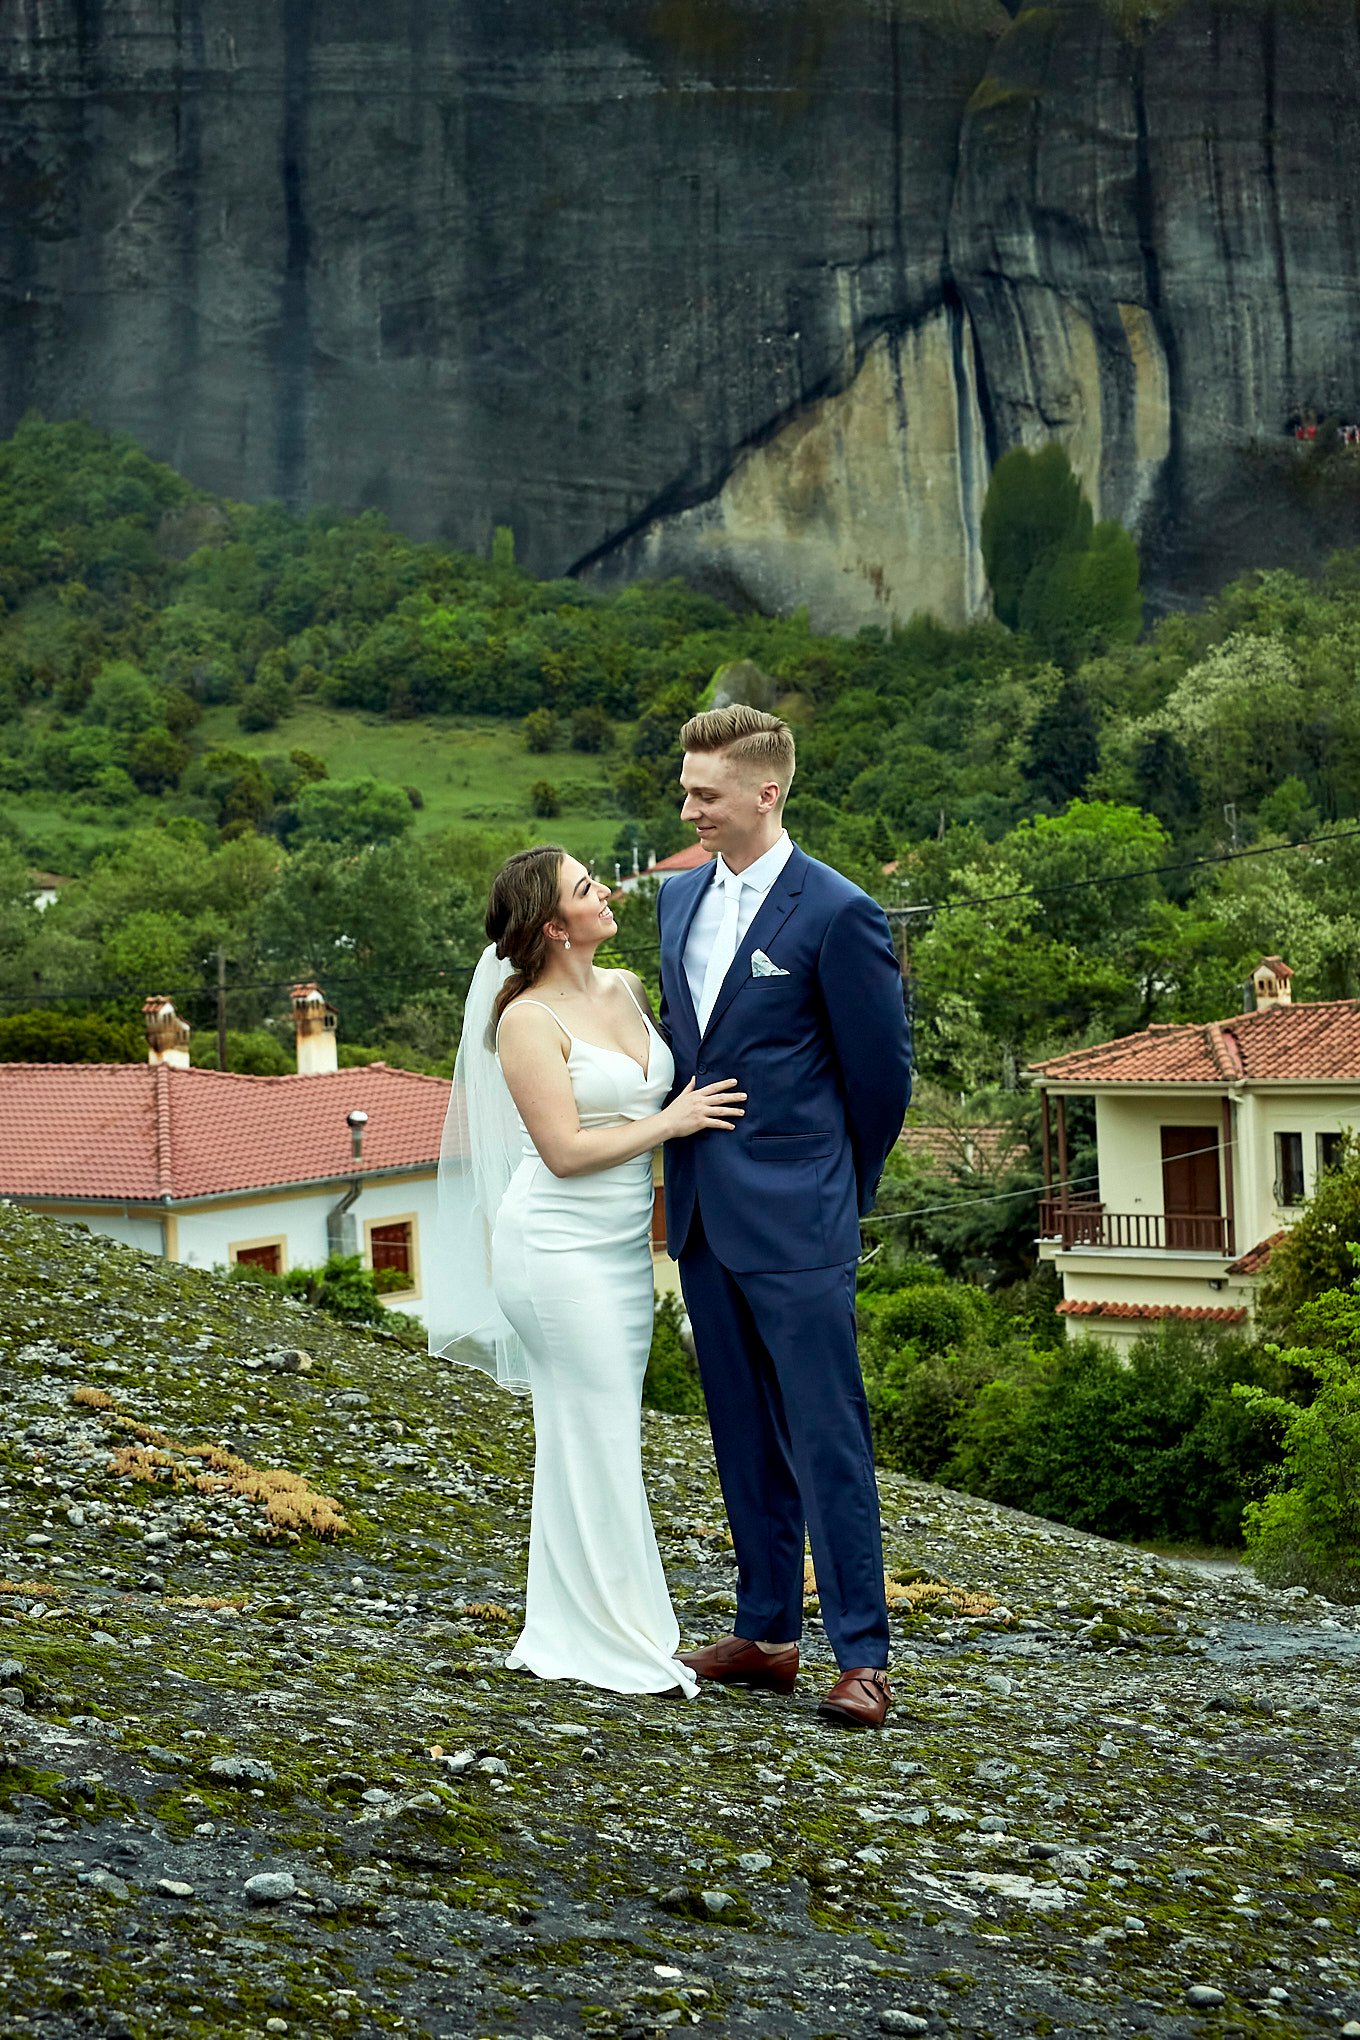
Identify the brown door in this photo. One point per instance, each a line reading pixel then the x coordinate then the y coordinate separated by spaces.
pixel 1190 1192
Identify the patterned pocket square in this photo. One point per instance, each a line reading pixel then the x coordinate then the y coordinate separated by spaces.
pixel 762 967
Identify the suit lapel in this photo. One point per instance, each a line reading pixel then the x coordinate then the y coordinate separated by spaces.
pixel 684 996
pixel 778 903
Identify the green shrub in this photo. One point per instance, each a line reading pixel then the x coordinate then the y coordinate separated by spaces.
pixel 672 1380
pixel 540 730
pixel 927 1349
pixel 1306 1531
pixel 342 1286
pixel 41 1037
pixel 251 1052
pixel 1155 1446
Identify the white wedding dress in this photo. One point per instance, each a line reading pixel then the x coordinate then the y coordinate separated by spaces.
pixel 571 1268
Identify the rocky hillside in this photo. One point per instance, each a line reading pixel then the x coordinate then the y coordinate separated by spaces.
pixel 261 1770
pixel 754 289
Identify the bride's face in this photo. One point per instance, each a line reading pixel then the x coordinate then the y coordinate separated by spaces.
pixel 583 912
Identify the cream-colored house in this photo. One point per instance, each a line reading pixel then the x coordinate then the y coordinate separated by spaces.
pixel 1209 1138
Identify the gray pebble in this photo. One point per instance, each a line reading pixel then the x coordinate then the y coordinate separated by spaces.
pixel 754 1862
pixel 1202 1997
pixel 174 1887
pixel 11 1696
pixel 241 1770
pixel 104 1880
pixel 495 1766
pixel 893 2021
pixel 270 1887
pixel 716 1901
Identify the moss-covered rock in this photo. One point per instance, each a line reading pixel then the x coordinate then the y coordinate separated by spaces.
pixel 1107 1776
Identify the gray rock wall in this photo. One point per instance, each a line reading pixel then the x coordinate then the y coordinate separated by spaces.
pixel 750 289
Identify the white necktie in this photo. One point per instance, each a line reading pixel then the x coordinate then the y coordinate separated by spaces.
pixel 724 948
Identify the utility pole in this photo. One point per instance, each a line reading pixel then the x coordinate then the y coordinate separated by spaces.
pixel 900 920
pixel 221 1007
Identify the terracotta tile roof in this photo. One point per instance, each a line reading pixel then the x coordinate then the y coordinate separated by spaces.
pixel 688 859
pixel 1278 1044
pixel 1255 1258
pixel 963 1147
pixel 136 1131
pixel 1190 1313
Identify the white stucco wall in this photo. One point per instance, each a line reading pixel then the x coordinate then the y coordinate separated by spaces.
pixel 1128 1134
pixel 1129 1144
pixel 133 1230
pixel 208 1235
pixel 1309 1113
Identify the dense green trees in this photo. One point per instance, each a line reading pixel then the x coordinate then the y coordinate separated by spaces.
pixel 1012 773
pixel 1070 584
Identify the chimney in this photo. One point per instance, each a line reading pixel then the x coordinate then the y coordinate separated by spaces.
pixel 167 1035
pixel 314 1025
pixel 1270 983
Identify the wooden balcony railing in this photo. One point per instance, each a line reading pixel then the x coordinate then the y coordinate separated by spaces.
pixel 1084 1222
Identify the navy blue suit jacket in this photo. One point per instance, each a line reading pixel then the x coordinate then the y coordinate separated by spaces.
pixel 824 1054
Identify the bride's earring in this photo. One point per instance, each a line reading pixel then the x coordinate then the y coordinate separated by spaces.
pixel 567 943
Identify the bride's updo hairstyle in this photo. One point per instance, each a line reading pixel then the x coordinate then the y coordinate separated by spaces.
pixel 526 893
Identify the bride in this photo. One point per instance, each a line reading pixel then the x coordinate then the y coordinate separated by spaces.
pixel 546 1205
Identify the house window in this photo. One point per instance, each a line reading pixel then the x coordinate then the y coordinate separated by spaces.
pixel 392 1253
pixel 266 1254
pixel 1288 1168
pixel 1330 1149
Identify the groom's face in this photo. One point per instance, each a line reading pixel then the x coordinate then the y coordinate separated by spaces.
pixel 728 803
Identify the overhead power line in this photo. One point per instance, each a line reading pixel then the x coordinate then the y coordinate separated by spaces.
pixel 1008 1196
pixel 1125 877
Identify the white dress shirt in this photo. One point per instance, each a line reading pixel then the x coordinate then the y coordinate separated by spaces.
pixel 756 881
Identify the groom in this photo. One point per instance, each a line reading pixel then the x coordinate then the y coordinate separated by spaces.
pixel 777 971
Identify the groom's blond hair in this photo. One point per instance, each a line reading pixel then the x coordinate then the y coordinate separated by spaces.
pixel 749 736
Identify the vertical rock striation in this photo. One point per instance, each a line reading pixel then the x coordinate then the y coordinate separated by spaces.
pixel 749 289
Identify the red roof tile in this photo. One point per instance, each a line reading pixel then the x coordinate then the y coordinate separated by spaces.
pixel 1191 1313
pixel 140 1132
pixel 964 1147
pixel 1278 1044
pixel 688 859
pixel 1255 1258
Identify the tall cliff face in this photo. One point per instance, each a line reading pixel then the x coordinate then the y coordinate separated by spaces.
pixel 750 289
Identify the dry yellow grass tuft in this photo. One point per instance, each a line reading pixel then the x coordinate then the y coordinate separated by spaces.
pixel 33 1590
pixel 287 1503
pixel 489 1611
pixel 93 1398
pixel 917 1594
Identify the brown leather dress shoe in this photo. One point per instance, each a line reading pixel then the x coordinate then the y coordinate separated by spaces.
pixel 732 1661
pixel 859 1699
